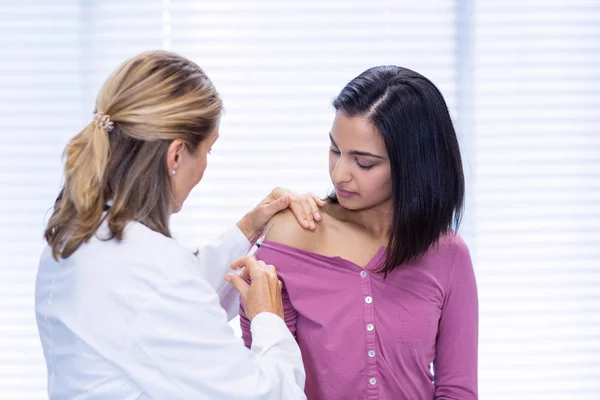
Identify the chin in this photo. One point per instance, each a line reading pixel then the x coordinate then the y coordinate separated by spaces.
pixel 350 204
pixel 355 204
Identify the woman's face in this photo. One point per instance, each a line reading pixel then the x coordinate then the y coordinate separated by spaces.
pixel 186 168
pixel 359 166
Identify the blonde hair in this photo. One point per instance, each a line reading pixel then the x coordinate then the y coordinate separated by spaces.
pixel 151 100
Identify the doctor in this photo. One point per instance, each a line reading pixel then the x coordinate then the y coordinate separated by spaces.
pixel 123 310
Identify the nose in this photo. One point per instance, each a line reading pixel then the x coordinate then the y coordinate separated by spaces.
pixel 341 172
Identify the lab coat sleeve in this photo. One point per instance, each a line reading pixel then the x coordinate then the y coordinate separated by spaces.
pixel 215 260
pixel 181 347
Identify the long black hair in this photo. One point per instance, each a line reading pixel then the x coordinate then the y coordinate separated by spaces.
pixel 410 114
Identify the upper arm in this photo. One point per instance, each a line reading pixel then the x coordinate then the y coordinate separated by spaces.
pixel 182 347
pixel 455 365
pixel 282 228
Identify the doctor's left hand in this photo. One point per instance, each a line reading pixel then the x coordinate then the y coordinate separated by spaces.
pixel 305 209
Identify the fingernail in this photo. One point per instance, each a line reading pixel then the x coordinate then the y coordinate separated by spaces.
pixel 283 199
pixel 317 215
pixel 228 277
pixel 312 225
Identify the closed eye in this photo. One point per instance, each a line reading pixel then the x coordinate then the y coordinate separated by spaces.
pixel 365 167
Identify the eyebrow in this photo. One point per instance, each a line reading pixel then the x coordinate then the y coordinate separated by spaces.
pixel 356 152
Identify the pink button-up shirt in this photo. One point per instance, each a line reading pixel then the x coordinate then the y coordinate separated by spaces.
pixel 366 337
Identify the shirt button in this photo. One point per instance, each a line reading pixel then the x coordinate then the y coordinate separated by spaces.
pixel 371 353
pixel 368 299
pixel 372 381
pixel 370 327
pixel 363 274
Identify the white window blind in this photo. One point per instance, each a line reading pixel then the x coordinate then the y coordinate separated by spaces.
pixel 538 198
pixel 278 66
pixel 528 139
pixel 40 108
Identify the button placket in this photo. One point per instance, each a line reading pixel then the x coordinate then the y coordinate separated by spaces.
pixel 370 335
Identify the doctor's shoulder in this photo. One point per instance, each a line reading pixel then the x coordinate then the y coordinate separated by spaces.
pixel 157 250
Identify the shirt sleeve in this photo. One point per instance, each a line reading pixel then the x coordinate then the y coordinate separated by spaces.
pixel 290 315
pixel 181 347
pixel 216 258
pixel 455 364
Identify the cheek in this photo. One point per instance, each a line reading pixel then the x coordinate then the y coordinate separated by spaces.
pixel 377 183
pixel 332 162
pixel 194 174
pixel 200 168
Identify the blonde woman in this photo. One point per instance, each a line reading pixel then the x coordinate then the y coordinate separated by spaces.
pixel 123 310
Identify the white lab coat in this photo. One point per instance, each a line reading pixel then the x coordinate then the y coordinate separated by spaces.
pixel 142 319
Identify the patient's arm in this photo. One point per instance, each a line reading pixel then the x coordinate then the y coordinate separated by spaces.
pixel 282 228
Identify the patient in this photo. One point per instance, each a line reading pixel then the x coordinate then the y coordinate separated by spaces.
pixel 384 288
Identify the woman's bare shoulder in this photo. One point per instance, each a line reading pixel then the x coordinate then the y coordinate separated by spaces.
pixel 284 228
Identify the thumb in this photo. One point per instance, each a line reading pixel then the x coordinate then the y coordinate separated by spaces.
pixel 238 284
pixel 280 204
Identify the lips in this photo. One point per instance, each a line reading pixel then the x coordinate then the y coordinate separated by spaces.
pixel 344 193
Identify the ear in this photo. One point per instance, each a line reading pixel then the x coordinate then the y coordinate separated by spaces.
pixel 175 154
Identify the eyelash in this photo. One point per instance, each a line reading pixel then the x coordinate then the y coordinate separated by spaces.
pixel 363 167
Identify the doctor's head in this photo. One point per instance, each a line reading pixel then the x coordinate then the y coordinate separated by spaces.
pixel 144 150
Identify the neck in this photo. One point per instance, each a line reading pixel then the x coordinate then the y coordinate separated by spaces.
pixel 375 221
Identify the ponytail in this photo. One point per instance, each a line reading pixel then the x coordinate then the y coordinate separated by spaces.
pixel 78 209
pixel 153 99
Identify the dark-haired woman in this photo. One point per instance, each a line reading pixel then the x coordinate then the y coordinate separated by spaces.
pixel 382 297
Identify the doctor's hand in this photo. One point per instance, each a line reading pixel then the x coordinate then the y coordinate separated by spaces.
pixel 305 209
pixel 264 292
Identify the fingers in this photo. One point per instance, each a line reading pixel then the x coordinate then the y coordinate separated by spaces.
pixel 243 273
pixel 254 268
pixel 300 213
pixel 308 214
pixel 264 292
pixel 270 269
pixel 274 207
pixel 314 209
pixel 239 284
pixel 304 207
pixel 241 262
pixel 320 202
pixel 278 191
pixel 311 205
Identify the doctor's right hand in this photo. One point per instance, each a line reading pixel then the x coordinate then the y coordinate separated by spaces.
pixel 264 292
